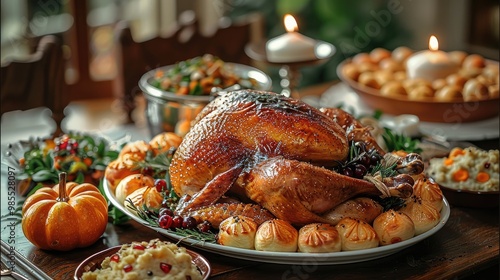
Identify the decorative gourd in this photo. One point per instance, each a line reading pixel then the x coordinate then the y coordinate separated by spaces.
pixel 67 216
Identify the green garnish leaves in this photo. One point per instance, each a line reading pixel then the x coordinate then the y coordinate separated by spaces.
pixel 398 142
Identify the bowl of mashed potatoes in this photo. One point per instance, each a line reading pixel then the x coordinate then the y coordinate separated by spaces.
pixel 155 260
pixel 468 177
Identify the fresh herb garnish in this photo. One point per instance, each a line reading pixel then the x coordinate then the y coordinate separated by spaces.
pixel 150 217
pixel 398 142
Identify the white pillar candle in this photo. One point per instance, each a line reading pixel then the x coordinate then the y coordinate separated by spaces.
pixel 431 64
pixel 291 46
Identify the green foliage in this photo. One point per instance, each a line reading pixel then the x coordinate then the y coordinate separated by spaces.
pixel 398 142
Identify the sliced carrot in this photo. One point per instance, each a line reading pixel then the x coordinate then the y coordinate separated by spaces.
pixel 448 161
pixel 183 90
pixel 461 175
pixel 455 152
pixel 482 177
pixel 22 161
pixel 159 74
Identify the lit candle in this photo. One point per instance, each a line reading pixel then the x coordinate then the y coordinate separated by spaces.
pixel 431 64
pixel 291 46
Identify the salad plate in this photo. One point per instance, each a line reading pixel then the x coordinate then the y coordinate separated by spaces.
pixel 297 258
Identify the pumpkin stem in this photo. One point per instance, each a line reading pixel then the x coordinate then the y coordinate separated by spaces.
pixel 63 197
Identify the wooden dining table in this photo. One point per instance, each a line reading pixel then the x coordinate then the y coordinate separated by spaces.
pixel 466 247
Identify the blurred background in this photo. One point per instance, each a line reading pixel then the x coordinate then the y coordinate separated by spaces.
pixel 87 29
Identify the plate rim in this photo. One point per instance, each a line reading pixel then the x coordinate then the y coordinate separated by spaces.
pixel 111 250
pixel 342 257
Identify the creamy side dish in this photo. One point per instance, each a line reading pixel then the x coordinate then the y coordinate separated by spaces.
pixel 156 260
pixel 467 169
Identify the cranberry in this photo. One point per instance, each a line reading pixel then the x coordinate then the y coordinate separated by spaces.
pixel 128 268
pixel 189 222
pixel 365 160
pixel 165 267
pixel 138 247
pixel 359 171
pixel 160 185
pixel 165 221
pixel 114 258
pixel 165 211
pixel 177 221
pixel 63 145
pixel 148 171
pixel 487 165
pixel 347 171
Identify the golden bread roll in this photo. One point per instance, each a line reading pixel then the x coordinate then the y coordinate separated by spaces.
pixel 393 88
pixel 421 92
pixel 356 235
pixel 117 170
pixel 474 61
pixel 131 183
pixel 163 142
pixel 430 191
pixel 361 58
pixel 145 196
pixel 391 65
pixel 319 238
pixel 379 54
pixel 400 54
pixel 237 231
pixel 439 84
pixel 276 236
pixel 135 150
pixel 393 227
pixel 383 76
pixel 369 79
pixel 474 91
pixel 422 213
pixel 448 93
pixel 351 71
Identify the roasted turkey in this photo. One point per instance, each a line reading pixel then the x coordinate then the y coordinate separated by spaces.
pixel 270 150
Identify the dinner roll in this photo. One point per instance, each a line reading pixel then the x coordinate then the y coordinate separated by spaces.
pixel 147 197
pixel 393 227
pixel 422 213
pixel 117 170
pixel 131 183
pixel 163 142
pixel 319 238
pixel 430 191
pixel 277 236
pixel 356 235
pixel 237 231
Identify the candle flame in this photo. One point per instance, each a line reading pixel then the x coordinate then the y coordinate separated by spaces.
pixel 290 23
pixel 433 43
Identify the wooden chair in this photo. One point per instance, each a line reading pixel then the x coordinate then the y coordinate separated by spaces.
pixel 36 81
pixel 185 42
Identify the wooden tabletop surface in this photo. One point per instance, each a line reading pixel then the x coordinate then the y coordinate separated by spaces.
pixel 467 247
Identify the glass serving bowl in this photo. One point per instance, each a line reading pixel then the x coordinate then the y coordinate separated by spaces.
pixel 170 112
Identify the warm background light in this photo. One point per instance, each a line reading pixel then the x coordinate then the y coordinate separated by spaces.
pixel 433 43
pixel 290 23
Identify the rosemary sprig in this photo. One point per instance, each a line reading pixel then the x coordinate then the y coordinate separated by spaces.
pixel 384 170
pixel 150 217
pixel 392 202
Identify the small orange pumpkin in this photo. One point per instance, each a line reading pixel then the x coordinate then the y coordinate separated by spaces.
pixel 65 217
